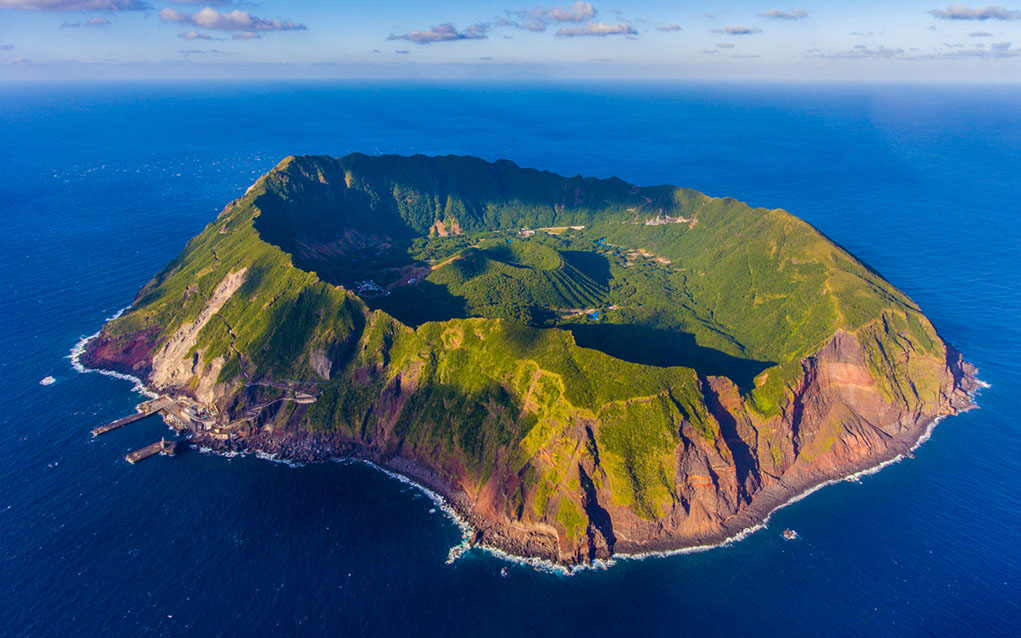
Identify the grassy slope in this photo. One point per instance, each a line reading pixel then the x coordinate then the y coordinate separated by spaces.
pixel 757 283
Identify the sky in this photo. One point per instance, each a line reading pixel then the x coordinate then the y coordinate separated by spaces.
pixel 865 40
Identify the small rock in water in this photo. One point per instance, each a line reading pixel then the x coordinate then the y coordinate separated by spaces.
pixel 47 381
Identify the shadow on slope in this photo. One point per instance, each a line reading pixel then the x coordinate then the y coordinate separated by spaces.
pixel 593 265
pixel 665 348
pixel 415 305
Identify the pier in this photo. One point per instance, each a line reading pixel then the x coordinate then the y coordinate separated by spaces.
pixel 168 448
pixel 103 429
pixel 180 413
pixel 145 409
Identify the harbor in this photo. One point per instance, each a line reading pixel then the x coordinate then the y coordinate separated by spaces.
pixel 167 448
pixel 170 408
pixel 145 409
pixel 186 415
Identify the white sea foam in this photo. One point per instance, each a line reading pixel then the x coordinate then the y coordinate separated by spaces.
pixel 272 457
pixel 852 478
pixel 79 349
pixel 276 458
pixel 232 454
pixel 537 564
pixel 458 551
pixel 439 501
pixel 466 529
pixel 698 549
pixel 745 533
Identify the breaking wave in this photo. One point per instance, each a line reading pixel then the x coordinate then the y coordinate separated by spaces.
pixel 467 531
pixel 79 349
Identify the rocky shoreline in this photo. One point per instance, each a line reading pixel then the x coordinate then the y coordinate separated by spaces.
pixel 776 497
pixel 525 545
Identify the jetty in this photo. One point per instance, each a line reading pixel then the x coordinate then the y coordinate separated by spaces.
pixel 167 448
pixel 144 409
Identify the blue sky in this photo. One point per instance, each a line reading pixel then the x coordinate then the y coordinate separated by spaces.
pixel 867 40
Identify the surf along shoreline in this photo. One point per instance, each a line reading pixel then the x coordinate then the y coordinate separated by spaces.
pixel 315 448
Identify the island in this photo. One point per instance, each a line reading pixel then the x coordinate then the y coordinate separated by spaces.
pixel 580 367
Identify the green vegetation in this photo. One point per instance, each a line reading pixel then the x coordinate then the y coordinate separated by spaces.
pixel 486 346
pixel 572 519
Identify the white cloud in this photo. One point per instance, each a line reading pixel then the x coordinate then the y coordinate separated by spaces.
pixel 668 27
pixel 577 12
pixel 445 32
pixel 237 20
pixel 980 34
pixel 737 30
pixel 94 22
pixel 574 13
pixel 862 52
pixel 961 12
pixel 996 51
pixel 187 52
pixel 195 35
pixel 777 14
pixel 76 5
pixel 540 17
pixel 725 45
pixel 600 29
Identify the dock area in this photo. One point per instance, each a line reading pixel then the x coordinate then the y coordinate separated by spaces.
pixel 168 448
pixel 145 409
pixel 180 413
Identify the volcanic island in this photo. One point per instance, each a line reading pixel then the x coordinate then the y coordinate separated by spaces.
pixel 580 367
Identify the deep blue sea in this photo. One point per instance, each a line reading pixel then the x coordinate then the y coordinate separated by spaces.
pixel 101 185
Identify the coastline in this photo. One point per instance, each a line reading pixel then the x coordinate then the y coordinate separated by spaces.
pixel 755 518
pixel 79 349
pixel 854 477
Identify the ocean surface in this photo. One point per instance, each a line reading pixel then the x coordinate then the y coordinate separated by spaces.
pixel 102 184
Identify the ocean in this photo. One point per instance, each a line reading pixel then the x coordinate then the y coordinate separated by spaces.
pixel 102 184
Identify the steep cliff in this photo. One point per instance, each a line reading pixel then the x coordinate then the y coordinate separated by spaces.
pixel 733 357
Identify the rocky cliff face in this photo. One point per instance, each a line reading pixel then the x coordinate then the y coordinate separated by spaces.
pixel 836 423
